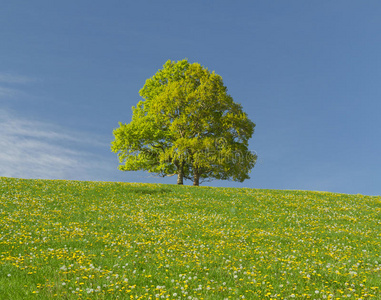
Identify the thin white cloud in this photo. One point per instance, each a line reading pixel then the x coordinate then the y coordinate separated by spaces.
pixel 35 149
pixel 7 92
pixel 9 78
pixel 37 130
pixel 10 85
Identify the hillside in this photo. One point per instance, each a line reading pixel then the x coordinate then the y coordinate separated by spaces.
pixel 103 240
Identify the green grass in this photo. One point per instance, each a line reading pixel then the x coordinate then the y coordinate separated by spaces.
pixel 100 240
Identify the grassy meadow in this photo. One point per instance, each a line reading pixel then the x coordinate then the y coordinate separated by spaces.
pixel 101 240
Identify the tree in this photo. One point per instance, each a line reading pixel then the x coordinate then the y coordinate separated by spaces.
pixel 186 125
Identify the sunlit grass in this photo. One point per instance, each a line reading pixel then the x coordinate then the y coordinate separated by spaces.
pixel 98 240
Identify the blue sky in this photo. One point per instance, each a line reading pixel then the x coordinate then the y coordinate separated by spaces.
pixel 306 72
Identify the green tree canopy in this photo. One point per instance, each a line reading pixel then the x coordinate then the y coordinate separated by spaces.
pixel 186 125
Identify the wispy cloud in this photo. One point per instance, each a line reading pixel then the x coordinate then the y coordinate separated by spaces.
pixel 11 85
pixel 36 149
pixel 7 92
pixel 10 78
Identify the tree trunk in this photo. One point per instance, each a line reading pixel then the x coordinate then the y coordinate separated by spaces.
pixel 196 179
pixel 180 174
pixel 180 177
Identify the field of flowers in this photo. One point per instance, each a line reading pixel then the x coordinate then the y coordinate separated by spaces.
pixel 100 240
